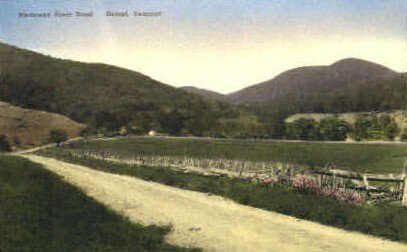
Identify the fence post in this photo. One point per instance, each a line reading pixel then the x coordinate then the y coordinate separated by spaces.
pixel 320 180
pixel 365 182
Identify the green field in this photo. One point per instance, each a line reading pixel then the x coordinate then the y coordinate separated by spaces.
pixel 366 158
pixel 388 221
pixel 40 212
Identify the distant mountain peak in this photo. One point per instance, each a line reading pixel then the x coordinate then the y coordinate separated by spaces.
pixel 310 81
pixel 351 60
pixel 355 64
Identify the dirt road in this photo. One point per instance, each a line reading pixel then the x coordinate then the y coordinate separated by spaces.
pixel 210 222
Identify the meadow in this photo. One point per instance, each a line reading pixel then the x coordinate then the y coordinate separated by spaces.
pixel 387 220
pixel 364 158
pixel 39 211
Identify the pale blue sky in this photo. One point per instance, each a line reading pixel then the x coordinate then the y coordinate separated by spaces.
pixel 219 45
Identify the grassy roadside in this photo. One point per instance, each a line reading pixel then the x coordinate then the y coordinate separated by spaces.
pixel 364 158
pixel 40 212
pixel 387 221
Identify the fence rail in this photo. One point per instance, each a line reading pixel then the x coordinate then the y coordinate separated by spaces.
pixel 326 176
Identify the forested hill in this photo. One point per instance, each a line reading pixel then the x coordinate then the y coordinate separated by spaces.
pixel 348 85
pixel 205 93
pixel 104 96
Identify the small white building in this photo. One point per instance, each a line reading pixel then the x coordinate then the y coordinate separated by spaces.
pixel 152 133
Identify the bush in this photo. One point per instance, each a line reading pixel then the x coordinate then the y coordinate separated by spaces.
pixel 58 136
pixel 302 129
pixel 391 130
pixel 360 128
pixel 330 129
pixel 87 132
pixel 4 144
pixel 375 127
pixel 333 129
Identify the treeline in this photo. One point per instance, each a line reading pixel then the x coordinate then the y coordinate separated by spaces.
pixel 381 94
pixel 381 127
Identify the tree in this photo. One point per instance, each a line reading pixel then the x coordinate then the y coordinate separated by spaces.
pixel 333 129
pixel 391 130
pixel 58 136
pixel 383 121
pixel 4 144
pixel 303 129
pixel 172 122
pixel 360 128
pixel 87 132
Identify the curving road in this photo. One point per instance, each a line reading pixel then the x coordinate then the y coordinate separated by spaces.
pixel 210 222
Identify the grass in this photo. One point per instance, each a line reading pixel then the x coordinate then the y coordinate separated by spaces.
pixel 389 221
pixel 365 158
pixel 40 212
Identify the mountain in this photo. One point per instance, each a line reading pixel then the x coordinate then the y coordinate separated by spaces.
pixel 105 97
pixel 347 85
pixel 205 93
pixel 26 128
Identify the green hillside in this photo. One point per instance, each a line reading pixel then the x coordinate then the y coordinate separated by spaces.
pixel 105 97
pixel 348 85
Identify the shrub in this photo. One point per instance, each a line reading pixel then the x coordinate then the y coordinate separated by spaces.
pixel 360 128
pixel 304 183
pixel 4 144
pixel 87 132
pixel 302 129
pixel 391 130
pixel 58 136
pixel 307 184
pixel 333 129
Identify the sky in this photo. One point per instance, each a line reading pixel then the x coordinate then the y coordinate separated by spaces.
pixel 222 45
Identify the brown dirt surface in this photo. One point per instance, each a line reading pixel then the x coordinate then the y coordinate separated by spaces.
pixel 210 222
pixel 32 127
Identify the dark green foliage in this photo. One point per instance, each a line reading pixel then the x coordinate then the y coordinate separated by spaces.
pixel 330 128
pixel 87 132
pixel 360 128
pixel 391 130
pixel 40 212
pixel 58 136
pixel 302 129
pixel 333 129
pixel 4 144
pixel 375 127
pixel 386 221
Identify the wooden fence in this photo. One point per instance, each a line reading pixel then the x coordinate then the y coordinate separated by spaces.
pixel 326 176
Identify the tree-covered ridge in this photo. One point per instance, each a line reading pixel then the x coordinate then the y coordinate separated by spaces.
pixel 349 85
pixel 105 97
